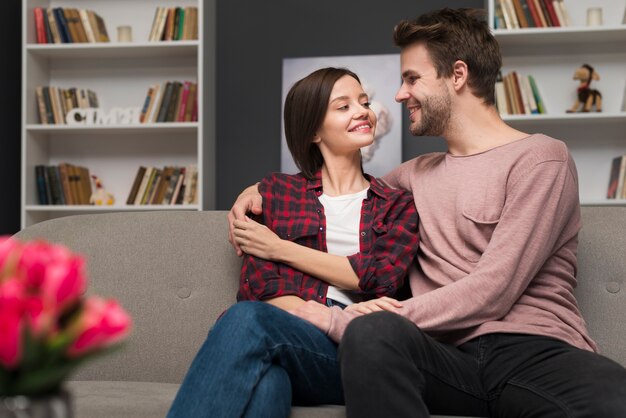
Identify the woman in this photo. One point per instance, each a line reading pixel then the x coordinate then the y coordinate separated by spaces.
pixel 331 234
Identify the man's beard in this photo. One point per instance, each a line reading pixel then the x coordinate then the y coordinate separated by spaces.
pixel 435 116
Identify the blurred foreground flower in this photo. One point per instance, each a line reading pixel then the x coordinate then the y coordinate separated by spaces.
pixel 47 326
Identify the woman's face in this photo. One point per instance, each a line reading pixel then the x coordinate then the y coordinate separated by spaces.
pixel 349 123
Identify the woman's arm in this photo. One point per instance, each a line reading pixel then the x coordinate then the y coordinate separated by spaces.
pixel 258 240
pixel 381 271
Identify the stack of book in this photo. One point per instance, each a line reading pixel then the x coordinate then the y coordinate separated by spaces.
pixel 174 24
pixel 65 184
pixel 617 177
pixel 68 25
pixel 172 101
pixel 53 103
pixel 515 14
pixel 167 186
pixel 518 95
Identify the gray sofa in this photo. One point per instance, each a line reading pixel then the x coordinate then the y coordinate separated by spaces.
pixel 175 272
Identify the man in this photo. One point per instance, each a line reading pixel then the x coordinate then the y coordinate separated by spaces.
pixel 493 328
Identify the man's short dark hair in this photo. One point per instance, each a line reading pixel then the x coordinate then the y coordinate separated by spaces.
pixel 456 34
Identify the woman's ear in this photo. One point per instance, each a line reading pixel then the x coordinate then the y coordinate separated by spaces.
pixel 316 139
pixel 459 75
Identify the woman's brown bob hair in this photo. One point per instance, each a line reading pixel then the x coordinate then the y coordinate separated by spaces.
pixel 305 108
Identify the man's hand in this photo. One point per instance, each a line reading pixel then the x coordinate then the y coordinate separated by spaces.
pixel 376 305
pixel 315 313
pixel 249 200
pixel 256 239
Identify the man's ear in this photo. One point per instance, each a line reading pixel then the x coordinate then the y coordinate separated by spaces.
pixel 459 75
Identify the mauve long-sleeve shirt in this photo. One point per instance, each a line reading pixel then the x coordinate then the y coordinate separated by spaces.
pixel 498 238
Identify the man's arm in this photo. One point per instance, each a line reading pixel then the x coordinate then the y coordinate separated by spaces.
pixel 249 200
pixel 531 227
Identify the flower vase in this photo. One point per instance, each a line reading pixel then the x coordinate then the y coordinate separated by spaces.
pixel 55 405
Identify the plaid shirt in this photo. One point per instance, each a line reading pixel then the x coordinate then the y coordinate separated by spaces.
pixel 388 239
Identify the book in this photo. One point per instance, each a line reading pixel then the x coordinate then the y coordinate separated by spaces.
pixel 152 188
pixel 533 86
pixel 174 102
pixel 64 31
pixel 132 195
pixel 552 13
pixel 501 103
pixel 65 184
pixel 532 8
pixel 530 97
pixel 614 178
pixel 84 18
pixel 619 193
pixel 42 196
pixel 153 28
pixel 40 27
pixel 179 184
pixel 557 11
pixel 146 104
pixel 519 12
pixel 191 100
pixel 180 26
pixel 167 96
pixel 102 29
pixel 539 10
pixel 143 185
pixel 183 102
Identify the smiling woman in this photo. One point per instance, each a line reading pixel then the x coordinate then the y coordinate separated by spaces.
pixel 328 238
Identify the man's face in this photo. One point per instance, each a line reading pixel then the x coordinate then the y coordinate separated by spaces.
pixel 426 97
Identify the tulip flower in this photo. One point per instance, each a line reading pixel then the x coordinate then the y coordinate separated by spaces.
pixel 11 321
pixel 46 325
pixel 101 323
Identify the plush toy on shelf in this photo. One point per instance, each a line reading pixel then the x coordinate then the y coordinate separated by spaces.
pixel 100 196
pixel 587 97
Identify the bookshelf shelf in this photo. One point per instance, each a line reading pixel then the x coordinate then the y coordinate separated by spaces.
pixel 552 55
pixel 120 73
pixel 163 49
pixel 544 41
pixel 171 127
pixel 569 118
pixel 113 208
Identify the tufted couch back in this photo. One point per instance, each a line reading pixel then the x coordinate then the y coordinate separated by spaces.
pixel 176 272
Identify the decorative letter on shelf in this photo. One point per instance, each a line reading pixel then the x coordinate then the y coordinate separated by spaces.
pixel 92 116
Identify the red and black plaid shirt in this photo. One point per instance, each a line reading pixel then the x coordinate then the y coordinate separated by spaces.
pixel 388 239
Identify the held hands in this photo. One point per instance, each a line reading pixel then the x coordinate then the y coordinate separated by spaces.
pixel 315 313
pixel 256 239
pixel 249 200
pixel 375 305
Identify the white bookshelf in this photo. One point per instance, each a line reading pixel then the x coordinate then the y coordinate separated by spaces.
pixel 551 55
pixel 120 73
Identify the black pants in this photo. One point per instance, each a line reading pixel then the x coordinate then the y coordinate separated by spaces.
pixel 390 368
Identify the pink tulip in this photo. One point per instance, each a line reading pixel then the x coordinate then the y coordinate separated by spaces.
pixel 64 281
pixel 11 296
pixel 101 324
pixel 8 247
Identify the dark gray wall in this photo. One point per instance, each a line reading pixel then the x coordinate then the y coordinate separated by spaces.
pixel 10 80
pixel 252 39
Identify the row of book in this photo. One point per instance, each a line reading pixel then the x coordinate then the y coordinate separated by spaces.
pixel 174 24
pixel 515 14
pixel 171 101
pixel 617 179
pixel 53 103
pixel 517 94
pixel 167 186
pixel 58 25
pixel 63 184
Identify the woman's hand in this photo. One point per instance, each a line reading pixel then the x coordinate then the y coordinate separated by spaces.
pixel 249 200
pixel 376 305
pixel 256 239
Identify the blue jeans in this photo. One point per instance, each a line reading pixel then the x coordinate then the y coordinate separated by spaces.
pixel 392 368
pixel 256 361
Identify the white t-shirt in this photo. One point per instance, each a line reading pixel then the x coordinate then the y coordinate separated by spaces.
pixel 343 215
